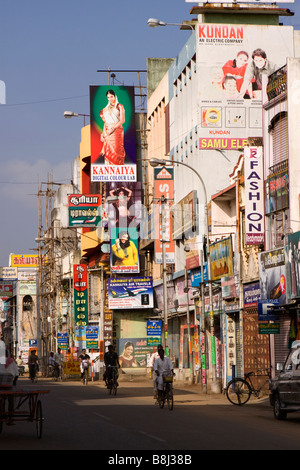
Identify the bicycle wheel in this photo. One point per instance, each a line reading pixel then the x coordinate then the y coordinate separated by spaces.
pixel 170 398
pixel 161 398
pixel 110 386
pixel 238 392
pixel 39 419
pixel 115 387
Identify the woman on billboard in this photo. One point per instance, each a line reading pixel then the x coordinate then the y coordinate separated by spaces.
pixel 113 116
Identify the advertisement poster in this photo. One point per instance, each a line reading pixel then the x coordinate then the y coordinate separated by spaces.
pixel 221 258
pixel 133 352
pixel 292 263
pixel 231 60
pixel 164 188
pixel 127 210
pixel 84 210
pixel 254 196
pixel 80 279
pixel 124 254
pixel 244 1
pixel 113 134
pixel 272 276
pixel 129 293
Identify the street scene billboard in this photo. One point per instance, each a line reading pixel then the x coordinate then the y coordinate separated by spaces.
pixel 231 60
pixel 127 210
pixel 221 258
pixel 124 253
pixel 84 210
pixel 133 352
pixel 244 1
pixel 130 293
pixel 272 276
pixel 113 134
pixel 292 263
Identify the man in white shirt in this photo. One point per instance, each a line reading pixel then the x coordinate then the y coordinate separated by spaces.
pixel 153 358
pixel 161 365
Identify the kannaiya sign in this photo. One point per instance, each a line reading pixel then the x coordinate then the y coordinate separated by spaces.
pixel 231 60
pixel 113 137
pixel 254 196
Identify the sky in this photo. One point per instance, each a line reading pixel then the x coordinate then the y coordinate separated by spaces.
pixel 49 56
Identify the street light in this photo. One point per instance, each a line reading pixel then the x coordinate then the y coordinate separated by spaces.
pixel 154 162
pixel 70 114
pixel 154 22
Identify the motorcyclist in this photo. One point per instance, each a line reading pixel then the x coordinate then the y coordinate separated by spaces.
pixel 84 359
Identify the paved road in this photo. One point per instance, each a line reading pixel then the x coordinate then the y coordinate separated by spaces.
pixel 86 417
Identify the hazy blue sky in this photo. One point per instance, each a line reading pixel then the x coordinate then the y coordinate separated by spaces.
pixel 50 53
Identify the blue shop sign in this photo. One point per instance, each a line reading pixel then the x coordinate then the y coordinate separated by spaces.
pixel 196 275
pixel 154 327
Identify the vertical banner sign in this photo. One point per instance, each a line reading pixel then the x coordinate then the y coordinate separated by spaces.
pixel 164 186
pixel 80 279
pixel 113 134
pixel 254 196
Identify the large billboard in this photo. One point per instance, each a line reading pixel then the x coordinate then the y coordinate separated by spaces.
pixel 244 1
pixel 113 134
pixel 272 276
pixel 130 293
pixel 231 60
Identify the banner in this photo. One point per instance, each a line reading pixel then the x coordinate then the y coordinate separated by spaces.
pixel 292 263
pixel 164 187
pixel 231 60
pixel 127 210
pixel 272 276
pixel 80 279
pixel 113 134
pixel 221 259
pixel 254 196
pixel 124 254
pixel 130 293
pixel 84 210
pixel 235 2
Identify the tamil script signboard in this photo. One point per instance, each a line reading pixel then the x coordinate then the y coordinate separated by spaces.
pixel 84 210
pixel 80 277
pixel 154 327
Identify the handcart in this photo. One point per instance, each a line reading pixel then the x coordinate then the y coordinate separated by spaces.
pixel 21 405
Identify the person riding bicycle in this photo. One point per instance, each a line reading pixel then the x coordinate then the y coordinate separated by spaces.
pixel 152 360
pixel 33 364
pixel 84 359
pixel 111 360
pixel 162 365
pixel 53 364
